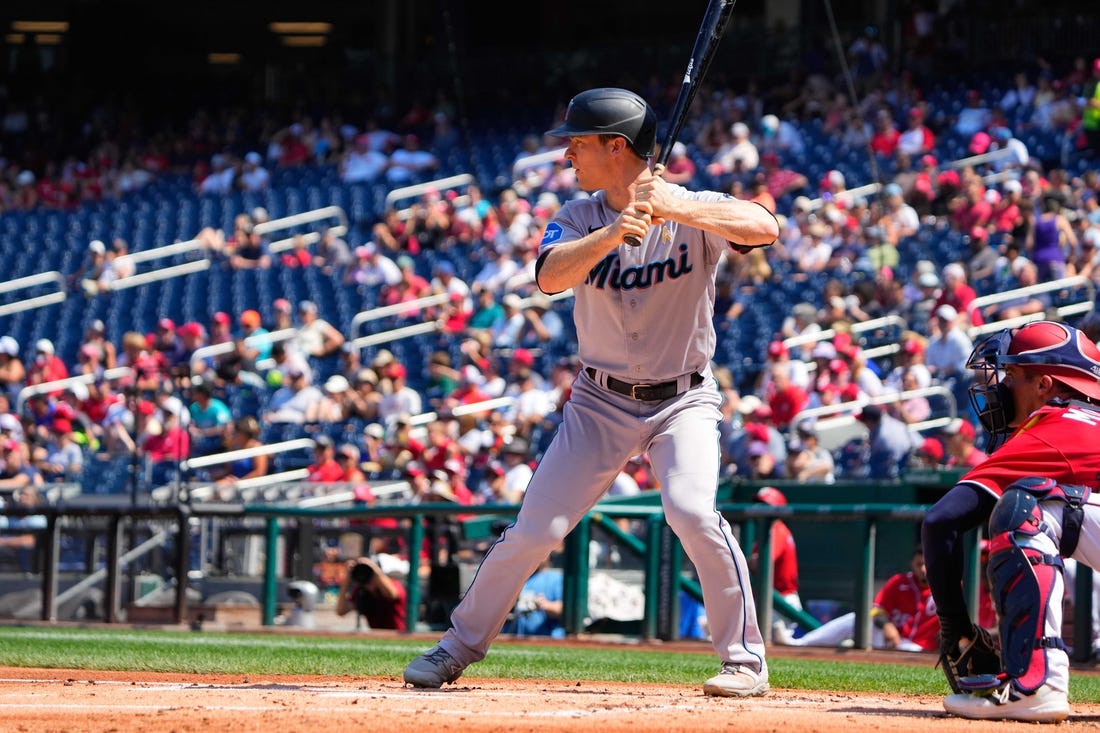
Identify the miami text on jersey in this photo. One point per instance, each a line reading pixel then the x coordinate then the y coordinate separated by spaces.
pixel 606 273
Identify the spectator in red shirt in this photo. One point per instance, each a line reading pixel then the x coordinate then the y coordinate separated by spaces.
pixel 884 140
pixel 372 594
pixel 971 209
pixel 785 398
pixel 957 293
pixel 784 552
pixel 47 366
pixel 325 468
pixel 959 440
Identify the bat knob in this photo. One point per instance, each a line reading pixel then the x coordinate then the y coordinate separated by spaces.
pixel 632 240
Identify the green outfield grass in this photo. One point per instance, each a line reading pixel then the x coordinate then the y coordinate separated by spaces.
pixel 242 653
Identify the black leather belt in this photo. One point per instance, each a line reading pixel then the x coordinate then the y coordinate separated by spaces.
pixel 645 392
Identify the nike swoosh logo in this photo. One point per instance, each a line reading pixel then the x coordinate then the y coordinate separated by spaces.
pixel 594 229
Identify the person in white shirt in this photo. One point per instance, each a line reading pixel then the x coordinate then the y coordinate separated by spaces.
pixel 254 177
pixel 363 164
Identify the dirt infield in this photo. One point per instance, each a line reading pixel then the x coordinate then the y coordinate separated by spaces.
pixel 71 701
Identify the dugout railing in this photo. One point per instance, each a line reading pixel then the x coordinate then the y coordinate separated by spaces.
pixel 864 535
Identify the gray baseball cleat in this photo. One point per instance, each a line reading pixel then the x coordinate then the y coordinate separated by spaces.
pixel 432 669
pixel 734 680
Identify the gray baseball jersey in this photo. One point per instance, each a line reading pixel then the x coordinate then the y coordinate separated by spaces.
pixel 643 315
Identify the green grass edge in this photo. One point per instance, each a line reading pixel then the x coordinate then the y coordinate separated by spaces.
pixel 369 656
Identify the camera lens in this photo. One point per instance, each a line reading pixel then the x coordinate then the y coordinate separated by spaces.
pixel 362 573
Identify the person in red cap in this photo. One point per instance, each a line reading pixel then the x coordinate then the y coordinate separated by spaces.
pixel 61 459
pixel 960 436
pixel 220 328
pixel 929 455
pixel 784 556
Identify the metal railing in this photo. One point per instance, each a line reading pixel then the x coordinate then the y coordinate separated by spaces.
pixel 226 347
pixel 39 301
pixel 419 189
pixel 1085 305
pixel 307 217
pixel 60 385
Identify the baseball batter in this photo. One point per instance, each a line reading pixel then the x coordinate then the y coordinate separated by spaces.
pixel 643 318
pixel 1039 388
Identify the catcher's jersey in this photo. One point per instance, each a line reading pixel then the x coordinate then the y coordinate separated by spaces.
pixel 644 313
pixel 1058 441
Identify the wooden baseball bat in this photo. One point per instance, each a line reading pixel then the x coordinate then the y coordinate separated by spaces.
pixel 713 26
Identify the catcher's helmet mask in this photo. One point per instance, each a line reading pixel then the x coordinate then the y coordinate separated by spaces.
pixel 611 111
pixel 1062 352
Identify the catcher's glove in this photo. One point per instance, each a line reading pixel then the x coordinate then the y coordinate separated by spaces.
pixel 978 657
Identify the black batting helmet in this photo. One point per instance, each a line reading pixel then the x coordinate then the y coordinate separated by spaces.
pixel 611 111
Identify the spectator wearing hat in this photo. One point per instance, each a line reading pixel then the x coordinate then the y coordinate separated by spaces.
pixel 348 456
pixel 372 268
pixel 959 439
pixel 948 349
pixel 957 293
pixel 982 262
pixel 399 398
pixel 737 157
pixel 22 532
pixel 47 366
pixel 506 332
pixel 515 455
pixel 334 405
pixel 324 468
pixel 910 360
pixel 889 442
pixel 760 464
pixel 899 219
pixel 13 374
pixel 785 398
pixel 257 345
pixel 807 460
pixel 247 249
pixel 95 337
pixel 364 398
pixel 221 328
pixel 929 455
pixel 755 416
pixel 86 276
pixel 543 327
pixel 332 255
pixel 168 344
pixel 287 359
pixel 316 337
pixel 376 457
pixel 19 471
pixel 802 321
pixel 253 176
pixel 446 280
pixel 60 459
pixel 293 400
pixel 784 554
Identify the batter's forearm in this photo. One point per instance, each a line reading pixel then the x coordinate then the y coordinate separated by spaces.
pixel 568 264
pixel 740 222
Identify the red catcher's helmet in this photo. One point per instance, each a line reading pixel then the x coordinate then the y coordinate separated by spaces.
pixel 771 495
pixel 1061 351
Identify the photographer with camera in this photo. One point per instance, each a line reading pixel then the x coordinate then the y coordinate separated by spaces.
pixel 373 596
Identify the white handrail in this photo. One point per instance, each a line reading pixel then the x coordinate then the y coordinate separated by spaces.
pixel 226 347
pixel 471 409
pixel 39 301
pixel 60 385
pixel 848 193
pixel 306 217
pixel 528 161
pixel 883 399
pixel 1085 305
pixel 396 334
pixel 217 459
pixel 391 310
pixel 989 157
pixel 168 250
pixel 186 268
pixel 857 327
pixel 408 192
